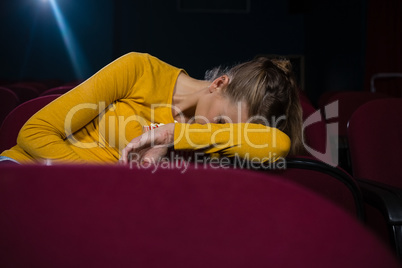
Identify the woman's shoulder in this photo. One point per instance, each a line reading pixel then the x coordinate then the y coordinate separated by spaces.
pixel 140 55
pixel 134 56
pixel 147 59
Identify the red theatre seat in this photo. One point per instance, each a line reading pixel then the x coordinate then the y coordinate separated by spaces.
pixel 111 216
pixel 57 90
pixel 375 142
pixel 8 101
pixel 17 117
pixel 24 92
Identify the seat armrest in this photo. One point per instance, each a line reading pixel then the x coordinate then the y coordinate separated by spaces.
pixel 386 198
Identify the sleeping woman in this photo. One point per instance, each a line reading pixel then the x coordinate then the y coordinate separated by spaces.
pixel 249 110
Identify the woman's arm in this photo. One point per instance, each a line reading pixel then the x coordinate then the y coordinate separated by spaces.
pixel 245 140
pixel 251 141
pixel 44 136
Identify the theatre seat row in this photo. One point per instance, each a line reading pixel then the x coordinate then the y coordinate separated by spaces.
pixel 115 216
pixel 14 93
pixel 369 147
pixel 15 119
pixel 353 193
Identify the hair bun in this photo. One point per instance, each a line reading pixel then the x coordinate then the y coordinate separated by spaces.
pixel 283 64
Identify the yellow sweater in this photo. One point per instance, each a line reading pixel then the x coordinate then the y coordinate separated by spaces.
pixel 96 120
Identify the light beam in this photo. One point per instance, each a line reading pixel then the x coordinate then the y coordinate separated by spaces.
pixel 76 56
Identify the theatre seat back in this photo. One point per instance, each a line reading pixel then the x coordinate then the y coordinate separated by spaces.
pixel 17 117
pixel 109 216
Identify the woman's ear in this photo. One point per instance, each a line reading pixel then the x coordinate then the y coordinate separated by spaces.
pixel 219 83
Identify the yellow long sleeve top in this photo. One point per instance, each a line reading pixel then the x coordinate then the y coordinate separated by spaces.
pixel 96 120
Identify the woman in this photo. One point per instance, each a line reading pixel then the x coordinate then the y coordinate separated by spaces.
pixel 226 115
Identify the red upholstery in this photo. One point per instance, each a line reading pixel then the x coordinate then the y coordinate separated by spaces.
pixel 16 119
pixel 317 142
pixel 39 86
pixel 109 216
pixel 330 182
pixel 314 134
pixel 24 92
pixel 57 90
pixel 349 102
pixel 8 101
pixel 326 96
pixel 375 141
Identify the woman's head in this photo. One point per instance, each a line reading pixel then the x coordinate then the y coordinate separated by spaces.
pixel 269 90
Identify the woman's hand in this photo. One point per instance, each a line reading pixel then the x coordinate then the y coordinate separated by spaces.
pixel 150 146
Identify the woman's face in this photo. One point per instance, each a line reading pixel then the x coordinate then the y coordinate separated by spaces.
pixel 217 108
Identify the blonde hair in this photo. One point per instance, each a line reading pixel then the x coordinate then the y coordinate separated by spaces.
pixel 269 89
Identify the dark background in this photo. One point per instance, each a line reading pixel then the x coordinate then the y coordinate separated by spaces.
pixel 191 34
